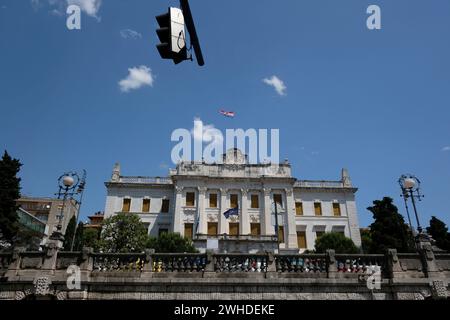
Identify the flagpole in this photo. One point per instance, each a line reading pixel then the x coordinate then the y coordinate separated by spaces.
pixel 197 218
pixel 276 226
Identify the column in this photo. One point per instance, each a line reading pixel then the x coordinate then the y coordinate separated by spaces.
pixel 291 232
pixel 223 222
pixel 201 213
pixel 244 224
pixel 177 214
pixel 266 221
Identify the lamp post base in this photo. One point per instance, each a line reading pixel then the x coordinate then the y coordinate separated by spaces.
pixel 422 240
pixel 57 238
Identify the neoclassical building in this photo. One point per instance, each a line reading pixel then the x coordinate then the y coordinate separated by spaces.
pixel 192 200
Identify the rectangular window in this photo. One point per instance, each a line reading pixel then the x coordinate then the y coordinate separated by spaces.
pixel 146 205
pixel 336 209
pixel 126 205
pixel 162 230
pixel 254 201
pixel 190 199
pixel 212 229
pixel 233 200
pixel 189 230
pixel 146 226
pixel 281 234
pixel 301 239
pixel 278 199
pixel 165 206
pixel 213 200
pixel 319 234
pixel 318 208
pixel 255 229
pixel 234 229
pixel 299 208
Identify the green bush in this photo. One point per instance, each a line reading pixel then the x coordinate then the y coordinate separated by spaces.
pixel 336 241
pixel 170 243
pixel 123 232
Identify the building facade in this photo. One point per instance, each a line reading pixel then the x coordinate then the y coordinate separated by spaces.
pixel 192 200
pixel 48 211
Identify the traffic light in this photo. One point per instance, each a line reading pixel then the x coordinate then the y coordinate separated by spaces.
pixel 172 35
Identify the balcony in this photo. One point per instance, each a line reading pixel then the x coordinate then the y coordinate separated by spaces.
pixel 145 180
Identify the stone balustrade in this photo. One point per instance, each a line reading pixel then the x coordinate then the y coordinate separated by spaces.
pixel 110 262
pixel 178 262
pixel 302 263
pixel 354 263
pixel 327 265
pixel 151 275
pixel 235 262
pixel 5 261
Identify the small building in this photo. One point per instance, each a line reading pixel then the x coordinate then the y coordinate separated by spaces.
pixel 48 210
pixel 32 231
pixel 95 221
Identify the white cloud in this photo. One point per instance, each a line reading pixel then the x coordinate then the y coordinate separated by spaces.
pixel 445 149
pixel 90 7
pixel 277 84
pixel 130 34
pixel 205 132
pixel 137 78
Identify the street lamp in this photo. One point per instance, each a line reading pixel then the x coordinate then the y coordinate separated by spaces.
pixel 67 184
pixel 410 186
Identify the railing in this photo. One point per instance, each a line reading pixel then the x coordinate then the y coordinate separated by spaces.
pixel 361 264
pixel 5 261
pixel 318 184
pixel 235 262
pixel 204 237
pixel 105 262
pixel 303 263
pixel 145 180
pixel 443 261
pixel 66 259
pixel 179 262
pixel 32 260
pixel 328 265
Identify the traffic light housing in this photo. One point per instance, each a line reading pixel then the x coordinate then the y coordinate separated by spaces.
pixel 172 35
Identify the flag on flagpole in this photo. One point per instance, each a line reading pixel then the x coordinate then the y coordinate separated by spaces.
pixel 229 114
pixel 231 212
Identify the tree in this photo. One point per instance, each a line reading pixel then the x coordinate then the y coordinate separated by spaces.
pixel 91 238
pixel 70 231
pixel 9 193
pixel 123 232
pixel 336 241
pixel 389 230
pixel 78 242
pixel 439 232
pixel 171 243
pixel 366 241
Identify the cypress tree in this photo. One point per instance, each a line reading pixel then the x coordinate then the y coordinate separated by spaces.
pixel 70 231
pixel 79 237
pixel 389 230
pixel 439 232
pixel 9 193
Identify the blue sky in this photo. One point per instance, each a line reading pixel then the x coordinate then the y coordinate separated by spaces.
pixel 375 102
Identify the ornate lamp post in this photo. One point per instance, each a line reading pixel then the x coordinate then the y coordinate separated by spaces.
pixel 67 185
pixel 410 186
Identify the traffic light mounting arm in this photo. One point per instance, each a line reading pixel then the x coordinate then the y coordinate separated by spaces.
pixel 192 32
